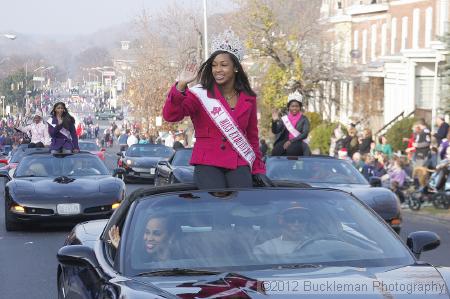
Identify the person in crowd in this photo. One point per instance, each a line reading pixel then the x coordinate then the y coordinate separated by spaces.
pixel 410 149
pixel 397 173
pixel 61 128
pixel 336 141
pixel 38 130
pixel 123 140
pixel 223 111
pixel 294 231
pixel 443 146
pixel 443 129
pixel 357 162
pixel 144 139
pixel 366 140
pixel 343 154
pixel 132 139
pixel 422 141
pixel 383 146
pixel 263 147
pixel 432 159
pixel 177 143
pixel 351 142
pixel 291 130
pixel 170 139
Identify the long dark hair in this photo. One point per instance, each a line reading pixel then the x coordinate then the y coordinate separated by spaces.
pixel 207 80
pixel 68 120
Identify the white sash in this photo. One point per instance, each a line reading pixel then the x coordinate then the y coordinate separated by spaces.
pixel 225 123
pixel 289 126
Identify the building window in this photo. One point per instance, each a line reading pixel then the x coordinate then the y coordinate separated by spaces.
pixel 373 42
pixel 416 28
pixel 393 35
pixel 383 39
pixel 428 26
pixel 364 47
pixel 356 40
pixel 404 33
pixel 424 92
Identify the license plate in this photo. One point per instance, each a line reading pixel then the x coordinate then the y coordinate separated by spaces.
pixel 68 209
pixel 152 170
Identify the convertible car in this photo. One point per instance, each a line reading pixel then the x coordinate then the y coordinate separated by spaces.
pixel 324 171
pixel 176 169
pixel 269 242
pixel 140 160
pixel 60 188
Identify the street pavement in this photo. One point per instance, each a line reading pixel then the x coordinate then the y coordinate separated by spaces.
pixel 28 259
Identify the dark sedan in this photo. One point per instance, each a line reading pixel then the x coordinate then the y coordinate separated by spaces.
pixel 179 242
pixel 140 160
pixel 323 171
pixel 68 188
pixel 176 169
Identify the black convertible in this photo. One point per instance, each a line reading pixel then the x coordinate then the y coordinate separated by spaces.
pixel 177 169
pixel 325 171
pixel 179 242
pixel 60 188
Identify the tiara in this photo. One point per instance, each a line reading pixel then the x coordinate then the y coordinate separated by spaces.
pixel 229 42
pixel 295 96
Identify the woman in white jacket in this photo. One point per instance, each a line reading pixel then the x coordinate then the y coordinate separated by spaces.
pixel 37 130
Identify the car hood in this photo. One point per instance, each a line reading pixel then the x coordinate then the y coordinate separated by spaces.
pixel 382 200
pixel 413 281
pixel 145 161
pixel 29 188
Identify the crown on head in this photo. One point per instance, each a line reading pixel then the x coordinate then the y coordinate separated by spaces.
pixel 295 96
pixel 229 42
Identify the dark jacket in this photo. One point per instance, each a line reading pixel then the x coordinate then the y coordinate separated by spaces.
pixel 282 134
pixel 442 132
pixel 364 146
pixel 59 140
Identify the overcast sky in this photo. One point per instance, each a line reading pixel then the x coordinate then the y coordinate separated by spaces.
pixel 68 17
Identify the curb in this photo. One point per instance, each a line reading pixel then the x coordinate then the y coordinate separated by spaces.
pixel 445 219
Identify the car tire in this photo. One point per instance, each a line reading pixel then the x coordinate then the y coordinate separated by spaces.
pixel 10 225
pixel 61 294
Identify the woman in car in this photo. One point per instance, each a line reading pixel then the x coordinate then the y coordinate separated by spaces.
pixel 157 240
pixel 223 110
pixel 291 130
pixel 61 128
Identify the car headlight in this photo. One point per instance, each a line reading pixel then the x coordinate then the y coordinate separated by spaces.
pixel 115 205
pixel 129 162
pixel 18 209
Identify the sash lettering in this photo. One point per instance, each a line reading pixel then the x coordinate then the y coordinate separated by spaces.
pixel 224 122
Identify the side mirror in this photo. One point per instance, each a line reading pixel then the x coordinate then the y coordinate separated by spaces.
pixel 422 241
pixel 78 255
pixel 5 174
pixel 375 181
pixel 163 163
pixel 118 171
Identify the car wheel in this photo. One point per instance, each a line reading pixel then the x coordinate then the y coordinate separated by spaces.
pixel 61 290
pixel 414 202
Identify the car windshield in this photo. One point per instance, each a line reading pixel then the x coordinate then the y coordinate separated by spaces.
pixel 88 146
pixel 314 170
pixel 149 151
pixel 257 229
pixel 55 166
pixel 182 158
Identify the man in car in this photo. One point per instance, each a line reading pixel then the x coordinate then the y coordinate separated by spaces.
pixel 293 222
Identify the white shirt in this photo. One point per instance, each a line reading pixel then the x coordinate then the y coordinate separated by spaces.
pixel 39 133
pixel 169 140
pixel 132 140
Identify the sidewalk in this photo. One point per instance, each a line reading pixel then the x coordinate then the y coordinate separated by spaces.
pixel 430 213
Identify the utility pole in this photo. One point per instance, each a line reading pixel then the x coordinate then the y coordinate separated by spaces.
pixel 205 30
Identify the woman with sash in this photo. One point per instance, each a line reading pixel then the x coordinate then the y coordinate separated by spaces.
pixel 291 130
pixel 223 110
pixel 61 128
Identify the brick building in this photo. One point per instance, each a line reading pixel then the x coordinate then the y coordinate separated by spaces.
pixel 393 48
